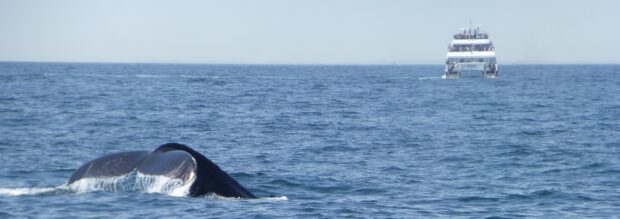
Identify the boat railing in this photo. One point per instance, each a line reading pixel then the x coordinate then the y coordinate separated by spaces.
pixel 470 48
pixel 468 36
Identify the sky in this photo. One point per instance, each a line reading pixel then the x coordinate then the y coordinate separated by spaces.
pixel 305 31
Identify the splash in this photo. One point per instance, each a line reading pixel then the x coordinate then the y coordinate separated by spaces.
pixel 133 181
pixel 27 191
pixel 165 185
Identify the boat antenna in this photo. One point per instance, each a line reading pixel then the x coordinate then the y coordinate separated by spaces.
pixel 470 27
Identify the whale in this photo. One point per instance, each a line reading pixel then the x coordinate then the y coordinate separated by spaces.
pixel 171 160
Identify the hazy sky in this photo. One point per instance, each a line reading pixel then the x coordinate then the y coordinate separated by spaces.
pixel 304 31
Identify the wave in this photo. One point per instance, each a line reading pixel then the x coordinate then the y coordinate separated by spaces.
pixel 551 194
pixel 151 76
pixel 477 199
pixel 200 76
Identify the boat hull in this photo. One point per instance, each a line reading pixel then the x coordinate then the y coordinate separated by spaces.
pixel 457 70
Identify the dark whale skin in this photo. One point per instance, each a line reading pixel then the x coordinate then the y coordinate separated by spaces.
pixel 171 160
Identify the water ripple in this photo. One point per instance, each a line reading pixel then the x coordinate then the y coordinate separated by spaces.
pixel 337 141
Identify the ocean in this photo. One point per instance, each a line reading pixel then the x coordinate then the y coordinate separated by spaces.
pixel 391 141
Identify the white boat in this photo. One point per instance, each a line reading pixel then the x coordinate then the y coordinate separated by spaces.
pixel 470 51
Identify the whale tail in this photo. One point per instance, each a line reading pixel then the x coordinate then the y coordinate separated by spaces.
pixel 171 160
pixel 209 176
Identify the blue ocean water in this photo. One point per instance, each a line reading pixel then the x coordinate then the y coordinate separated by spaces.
pixel 539 141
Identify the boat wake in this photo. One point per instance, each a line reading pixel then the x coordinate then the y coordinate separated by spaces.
pixel 430 78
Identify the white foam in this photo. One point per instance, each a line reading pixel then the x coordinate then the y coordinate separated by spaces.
pixel 115 183
pixel 134 181
pixel 216 196
pixel 165 185
pixel 431 78
pixel 152 76
pixel 200 76
pixel 26 191
pixel 276 198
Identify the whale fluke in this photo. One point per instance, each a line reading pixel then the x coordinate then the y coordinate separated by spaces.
pixel 171 160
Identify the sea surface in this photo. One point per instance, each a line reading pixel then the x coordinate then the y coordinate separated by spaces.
pixel 393 141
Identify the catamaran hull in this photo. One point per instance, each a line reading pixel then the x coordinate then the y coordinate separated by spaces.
pixel 459 69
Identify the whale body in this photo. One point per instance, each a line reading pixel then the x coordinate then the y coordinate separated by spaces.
pixel 171 160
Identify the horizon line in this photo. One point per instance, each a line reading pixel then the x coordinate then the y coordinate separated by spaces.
pixel 281 64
